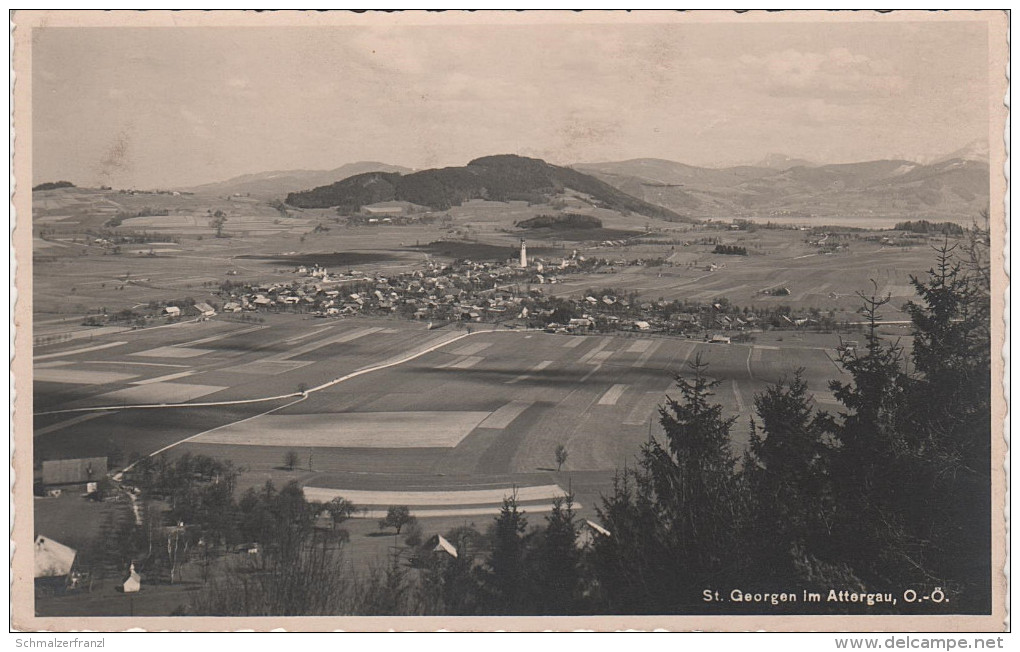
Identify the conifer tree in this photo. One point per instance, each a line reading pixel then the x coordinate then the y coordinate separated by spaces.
pixel 506 577
pixel 786 481
pixel 557 580
pixel 867 467
pixel 673 519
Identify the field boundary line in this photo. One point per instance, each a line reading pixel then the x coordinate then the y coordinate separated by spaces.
pixel 155 406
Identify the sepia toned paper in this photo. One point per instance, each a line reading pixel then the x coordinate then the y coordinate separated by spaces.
pixel 170 101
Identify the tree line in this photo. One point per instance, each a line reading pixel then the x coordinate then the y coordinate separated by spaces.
pixel 890 493
pixel 730 250
pixel 924 226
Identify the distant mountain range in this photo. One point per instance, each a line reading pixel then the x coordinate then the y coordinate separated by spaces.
pixel 957 186
pixel 497 178
pixel 274 185
pixel 974 151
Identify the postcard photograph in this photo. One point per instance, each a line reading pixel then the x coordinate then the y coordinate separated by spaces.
pixel 594 320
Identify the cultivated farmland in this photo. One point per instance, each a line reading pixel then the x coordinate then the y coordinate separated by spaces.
pixel 445 418
pixel 390 402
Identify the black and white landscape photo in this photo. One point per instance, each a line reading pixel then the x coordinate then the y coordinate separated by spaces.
pixel 490 314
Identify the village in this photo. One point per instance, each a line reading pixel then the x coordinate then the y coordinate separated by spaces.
pixel 507 293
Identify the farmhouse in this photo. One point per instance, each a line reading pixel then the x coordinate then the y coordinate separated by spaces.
pixel 439 544
pixel 172 311
pixel 53 559
pixel 205 309
pixel 720 339
pixel 580 325
pixel 133 582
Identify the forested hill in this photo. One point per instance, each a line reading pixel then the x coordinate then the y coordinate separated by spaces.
pixel 496 178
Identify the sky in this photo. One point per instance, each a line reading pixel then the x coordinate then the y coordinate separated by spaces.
pixel 162 107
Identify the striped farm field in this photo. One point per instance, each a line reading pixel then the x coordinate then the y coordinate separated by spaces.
pixel 435 498
pixel 385 412
pixel 351 430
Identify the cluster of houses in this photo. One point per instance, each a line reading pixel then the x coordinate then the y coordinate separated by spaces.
pixel 503 293
pixel 465 290
pixel 200 309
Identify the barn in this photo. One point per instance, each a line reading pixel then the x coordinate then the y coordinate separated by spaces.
pixel 73 471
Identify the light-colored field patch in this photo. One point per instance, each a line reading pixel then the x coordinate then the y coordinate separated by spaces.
pixel 172 352
pixel 160 393
pixel 163 379
pixel 269 366
pixel 86 349
pixel 682 362
pixel 437 498
pixel 471 349
pixel 307 335
pixel 162 221
pixel 646 408
pixel 572 342
pixel 54 427
pixel 602 343
pixel 336 339
pixel 505 415
pixel 466 362
pixel 639 347
pixel 600 357
pixel 351 430
pixel 644 357
pixel 538 367
pixel 80 376
pixel 221 336
pixel 51 365
pixel 135 364
pixel 613 395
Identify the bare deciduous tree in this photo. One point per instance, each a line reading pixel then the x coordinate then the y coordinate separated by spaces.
pixel 561 456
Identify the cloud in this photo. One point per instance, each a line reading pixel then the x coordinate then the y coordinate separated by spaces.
pixel 836 73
